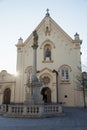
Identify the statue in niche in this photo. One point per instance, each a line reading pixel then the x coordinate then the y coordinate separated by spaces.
pixel 48 53
pixel 47 31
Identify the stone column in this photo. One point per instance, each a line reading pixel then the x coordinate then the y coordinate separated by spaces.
pixel 34 75
pixel 34 96
pixel 35 82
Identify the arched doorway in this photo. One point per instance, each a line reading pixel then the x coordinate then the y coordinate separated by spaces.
pixel 46 93
pixel 7 96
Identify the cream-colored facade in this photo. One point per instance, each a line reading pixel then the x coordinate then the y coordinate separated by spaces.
pixel 58 65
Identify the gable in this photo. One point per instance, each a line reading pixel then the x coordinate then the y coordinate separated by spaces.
pixel 6 77
pixel 45 29
pixel 46 71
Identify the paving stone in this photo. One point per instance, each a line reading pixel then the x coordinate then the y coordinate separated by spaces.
pixel 74 119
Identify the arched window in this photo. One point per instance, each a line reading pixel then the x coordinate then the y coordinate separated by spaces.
pixel 64 71
pixel 47 52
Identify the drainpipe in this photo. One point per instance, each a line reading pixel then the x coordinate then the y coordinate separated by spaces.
pixel 54 71
pixel 57 85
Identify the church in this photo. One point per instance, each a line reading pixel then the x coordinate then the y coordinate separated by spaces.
pixel 58 67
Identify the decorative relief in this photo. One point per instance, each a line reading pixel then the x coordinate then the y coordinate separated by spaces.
pixel 46 80
pixel 47 30
pixel 47 52
pixel 3 76
pixel 47 26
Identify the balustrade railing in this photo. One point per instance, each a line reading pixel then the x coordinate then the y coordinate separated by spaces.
pixel 32 110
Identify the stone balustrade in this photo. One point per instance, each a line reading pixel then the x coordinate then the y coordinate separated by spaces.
pixel 37 111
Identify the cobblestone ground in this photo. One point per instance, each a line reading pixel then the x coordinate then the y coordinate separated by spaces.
pixel 75 119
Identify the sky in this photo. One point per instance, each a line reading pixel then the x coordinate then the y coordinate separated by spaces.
pixel 18 18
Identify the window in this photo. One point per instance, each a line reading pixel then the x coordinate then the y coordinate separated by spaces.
pixel 65 73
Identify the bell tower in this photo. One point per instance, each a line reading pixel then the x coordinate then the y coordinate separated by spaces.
pixel 19 81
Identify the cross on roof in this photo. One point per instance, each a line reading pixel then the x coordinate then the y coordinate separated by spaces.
pixel 47 11
pixel 47 14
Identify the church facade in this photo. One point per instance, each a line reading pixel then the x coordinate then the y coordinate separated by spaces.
pixel 58 67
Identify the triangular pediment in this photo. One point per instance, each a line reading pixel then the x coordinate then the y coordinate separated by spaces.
pixel 45 23
pixel 46 70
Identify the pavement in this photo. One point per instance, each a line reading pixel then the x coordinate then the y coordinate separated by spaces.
pixel 74 119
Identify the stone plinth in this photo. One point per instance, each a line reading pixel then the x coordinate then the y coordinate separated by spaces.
pixel 33 96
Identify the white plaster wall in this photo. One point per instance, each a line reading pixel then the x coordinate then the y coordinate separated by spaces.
pixel 65 52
